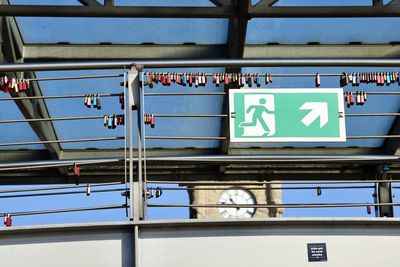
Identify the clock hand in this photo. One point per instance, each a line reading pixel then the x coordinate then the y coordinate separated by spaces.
pixel 233 202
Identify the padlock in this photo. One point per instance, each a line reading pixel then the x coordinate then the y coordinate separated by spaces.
pixel 217 81
pixel 88 191
pixel 343 80
pixel 362 101
pixel 365 96
pixel 358 99
pixel 115 121
pixel 249 80
pixel 348 99
pixel 77 173
pixel 319 191
pixel 243 81
pixel 317 80
pixel 7 220
pixel 226 80
pixel 98 102
pixel 353 79
pixel 152 121
pixel 149 193
pixel 369 209
pixel 149 80
pixel 169 79
pixel 179 79
pixel 109 121
pixel 95 101
pixel 257 80
pixel 105 120
pixel 189 79
pixel 351 98
pixel 85 100
pixel 196 80
pixel 184 80
pixel 89 101
pixel 158 192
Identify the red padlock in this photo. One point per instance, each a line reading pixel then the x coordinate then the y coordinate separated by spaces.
pixel 77 173
pixel 7 220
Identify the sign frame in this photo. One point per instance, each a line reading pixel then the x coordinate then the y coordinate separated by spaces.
pixel 341 115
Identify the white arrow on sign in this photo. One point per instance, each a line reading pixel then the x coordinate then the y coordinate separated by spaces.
pixel 318 109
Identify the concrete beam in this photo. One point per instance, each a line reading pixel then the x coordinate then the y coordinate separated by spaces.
pixel 40 52
pixel 50 52
pixel 323 51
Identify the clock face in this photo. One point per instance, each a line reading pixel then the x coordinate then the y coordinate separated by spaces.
pixel 237 196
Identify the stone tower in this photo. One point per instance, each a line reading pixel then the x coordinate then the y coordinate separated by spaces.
pixel 260 194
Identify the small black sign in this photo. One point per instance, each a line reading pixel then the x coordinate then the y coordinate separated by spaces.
pixel 317 252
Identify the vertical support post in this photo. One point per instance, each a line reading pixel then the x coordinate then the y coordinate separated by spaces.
pixel 135 184
pixel 384 193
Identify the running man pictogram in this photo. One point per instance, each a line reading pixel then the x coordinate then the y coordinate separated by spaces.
pixel 259 110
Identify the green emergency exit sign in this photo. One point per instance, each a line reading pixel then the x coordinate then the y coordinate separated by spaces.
pixel 287 115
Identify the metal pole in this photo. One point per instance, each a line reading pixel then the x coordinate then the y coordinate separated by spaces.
pixel 214 159
pixel 318 205
pixel 52 97
pixel 191 115
pixel 54 119
pixel 76 77
pixel 64 141
pixel 187 94
pixel 201 183
pixel 187 137
pixel 189 63
pixel 25 213
pixel 133 103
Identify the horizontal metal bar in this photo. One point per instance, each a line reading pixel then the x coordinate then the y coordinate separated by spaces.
pixel 373 136
pixel 383 93
pixel 62 193
pixel 116 11
pixel 319 205
pixel 261 188
pixel 34 189
pixel 185 94
pixel 52 97
pixel 77 77
pixel 187 137
pixel 213 159
pixel 241 183
pixel 372 115
pixel 192 63
pixel 54 119
pixel 191 115
pixel 197 12
pixel 261 74
pixel 64 141
pixel 26 213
